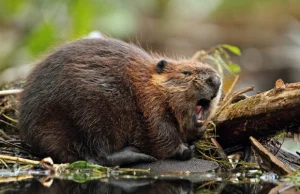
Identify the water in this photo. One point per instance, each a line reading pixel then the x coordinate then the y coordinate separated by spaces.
pixel 90 181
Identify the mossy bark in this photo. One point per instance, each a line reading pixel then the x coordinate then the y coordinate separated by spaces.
pixel 261 116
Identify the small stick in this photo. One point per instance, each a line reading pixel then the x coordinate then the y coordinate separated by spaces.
pixel 4 135
pixel 17 159
pixel 221 153
pixel 8 118
pixel 220 149
pixel 4 163
pixel 231 87
pixel 1 121
pixel 15 178
pixel 13 145
pixel 133 170
pixel 208 157
pixel 10 92
pixel 207 183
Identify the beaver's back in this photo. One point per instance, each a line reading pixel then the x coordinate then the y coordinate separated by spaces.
pixel 80 92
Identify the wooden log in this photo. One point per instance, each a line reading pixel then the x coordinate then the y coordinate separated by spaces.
pixel 261 115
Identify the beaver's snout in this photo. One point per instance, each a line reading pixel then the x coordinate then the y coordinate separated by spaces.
pixel 215 82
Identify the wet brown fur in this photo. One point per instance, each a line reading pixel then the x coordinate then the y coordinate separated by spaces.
pixel 93 97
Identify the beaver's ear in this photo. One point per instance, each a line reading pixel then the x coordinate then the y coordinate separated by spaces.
pixel 160 66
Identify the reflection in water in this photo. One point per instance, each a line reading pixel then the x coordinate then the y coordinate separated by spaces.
pixel 97 186
pixel 142 185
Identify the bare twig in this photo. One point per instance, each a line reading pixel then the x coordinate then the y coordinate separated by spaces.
pixel 9 118
pixel 15 178
pixel 14 145
pixel 231 88
pixel 7 123
pixel 17 159
pixel 4 163
pixel 10 92
pixel 4 135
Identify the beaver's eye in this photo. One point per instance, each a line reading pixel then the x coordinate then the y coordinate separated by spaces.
pixel 186 73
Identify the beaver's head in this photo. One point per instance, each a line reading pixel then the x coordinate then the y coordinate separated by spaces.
pixel 193 90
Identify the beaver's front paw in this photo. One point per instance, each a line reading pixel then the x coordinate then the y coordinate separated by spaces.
pixel 184 152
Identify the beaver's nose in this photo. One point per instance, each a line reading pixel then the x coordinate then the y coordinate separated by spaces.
pixel 214 81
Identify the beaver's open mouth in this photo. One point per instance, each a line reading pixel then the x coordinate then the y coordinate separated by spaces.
pixel 202 105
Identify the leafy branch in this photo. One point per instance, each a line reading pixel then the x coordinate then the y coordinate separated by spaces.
pixel 220 56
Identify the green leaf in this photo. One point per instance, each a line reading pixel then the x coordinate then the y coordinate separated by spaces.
pixel 78 164
pixel 235 50
pixel 80 178
pixel 86 165
pixel 234 67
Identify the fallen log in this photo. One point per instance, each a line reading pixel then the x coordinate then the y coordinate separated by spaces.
pixel 261 116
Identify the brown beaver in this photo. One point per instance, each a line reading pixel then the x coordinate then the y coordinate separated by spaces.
pixel 110 102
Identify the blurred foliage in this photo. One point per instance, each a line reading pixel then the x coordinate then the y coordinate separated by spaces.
pixel 234 9
pixel 30 28
pixel 220 57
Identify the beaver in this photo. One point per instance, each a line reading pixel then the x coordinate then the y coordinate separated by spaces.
pixel 112 103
